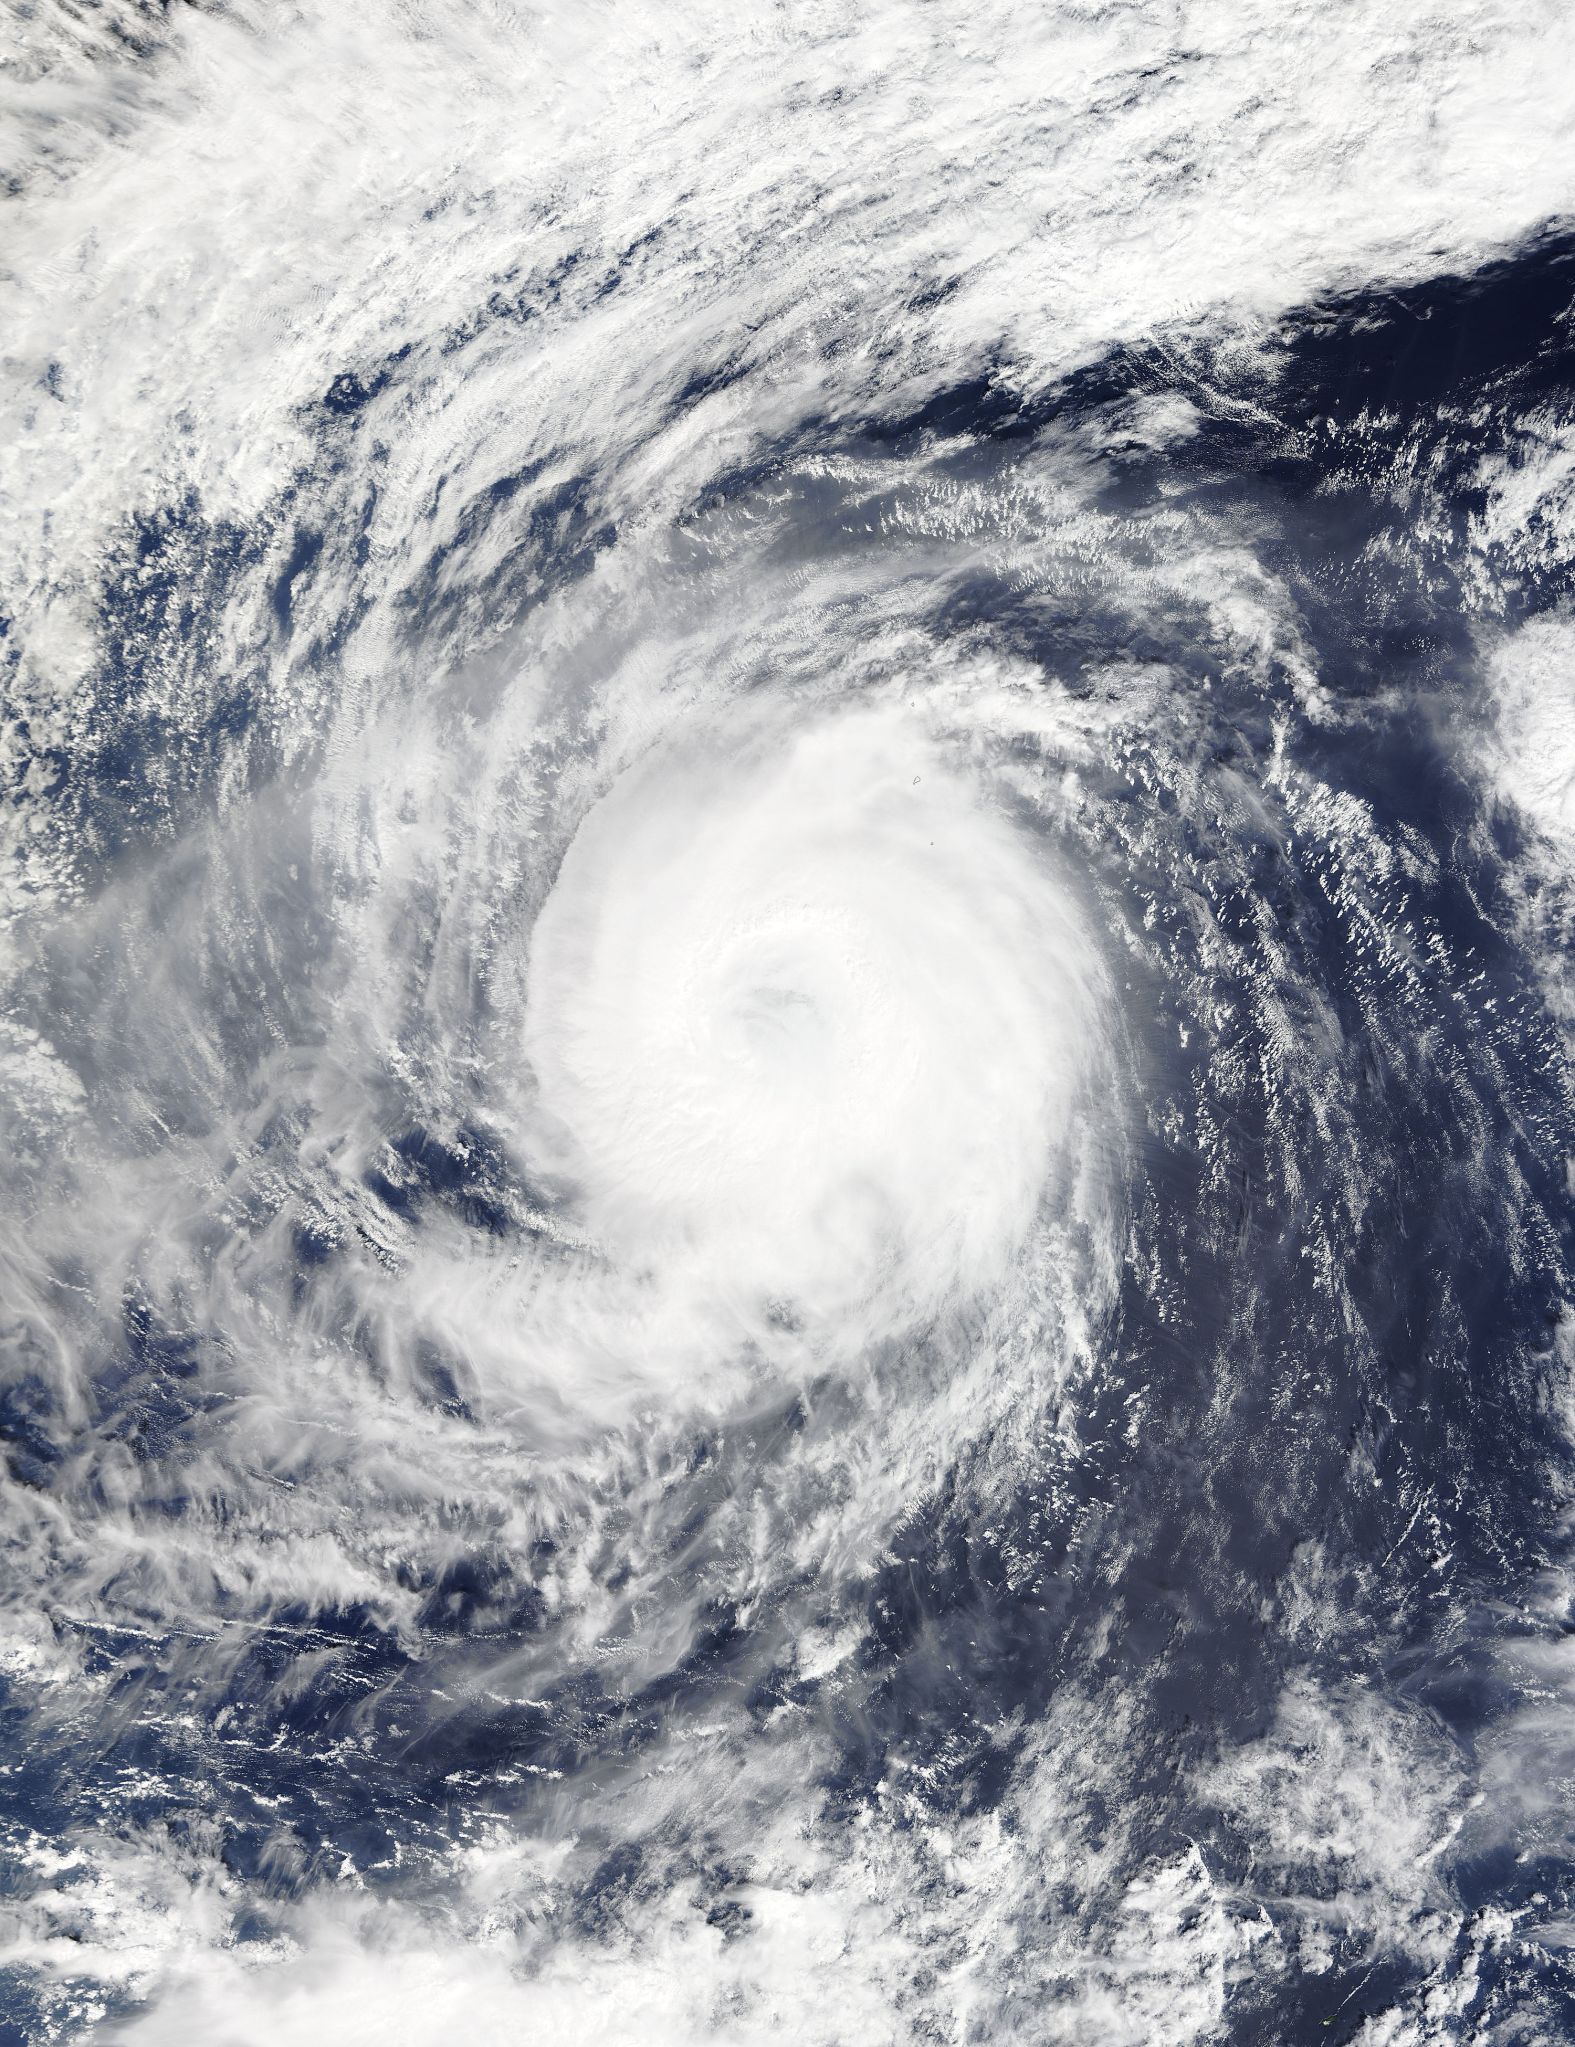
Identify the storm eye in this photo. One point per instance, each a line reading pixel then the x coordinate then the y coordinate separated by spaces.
pixel 771 1022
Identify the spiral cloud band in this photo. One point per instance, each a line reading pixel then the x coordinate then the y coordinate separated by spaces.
pixel 785 1019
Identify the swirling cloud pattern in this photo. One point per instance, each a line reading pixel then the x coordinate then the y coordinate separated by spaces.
pixel 784 1024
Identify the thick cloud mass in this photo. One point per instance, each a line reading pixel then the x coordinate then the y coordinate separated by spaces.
pixel 784 1024
pixel 809 1024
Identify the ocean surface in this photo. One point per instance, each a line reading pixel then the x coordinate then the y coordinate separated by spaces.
pixel 785 1020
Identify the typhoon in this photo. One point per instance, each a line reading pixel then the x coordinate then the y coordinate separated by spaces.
pixel 785 1106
